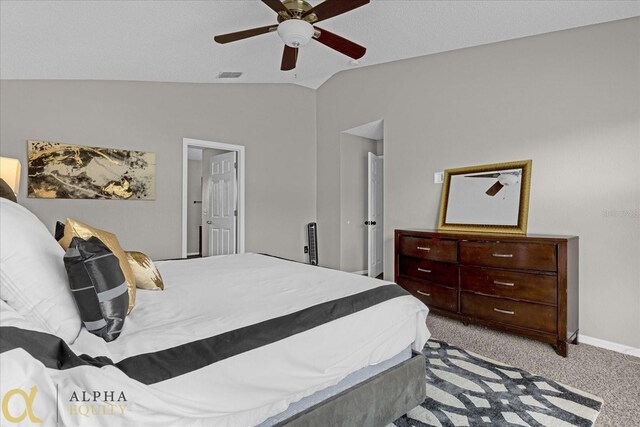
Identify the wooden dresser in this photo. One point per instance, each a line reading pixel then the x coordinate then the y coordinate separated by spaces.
pixel 526 285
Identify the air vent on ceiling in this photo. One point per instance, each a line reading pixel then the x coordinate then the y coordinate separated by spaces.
pixel 229 75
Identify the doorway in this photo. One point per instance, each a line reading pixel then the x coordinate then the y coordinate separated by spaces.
pixel 375 214
pixel 226 233
pixel 219 203
pixel 361 199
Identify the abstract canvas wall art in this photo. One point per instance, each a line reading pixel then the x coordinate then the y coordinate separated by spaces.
pixel 63 171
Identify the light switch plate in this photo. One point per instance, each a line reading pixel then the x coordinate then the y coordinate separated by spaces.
pixel 438 177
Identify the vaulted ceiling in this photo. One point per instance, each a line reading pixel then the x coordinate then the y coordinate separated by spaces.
pixel 171 41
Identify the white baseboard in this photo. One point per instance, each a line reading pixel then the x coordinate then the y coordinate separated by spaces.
pixel 363 272
pixel 620 348
pixel 193 253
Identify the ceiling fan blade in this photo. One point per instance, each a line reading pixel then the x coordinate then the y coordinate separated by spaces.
pixel 341 44
pixel 494 189
pixel 289 58
pixel 330 8
pixel 232 37
pixel 484 175
pixel 277 6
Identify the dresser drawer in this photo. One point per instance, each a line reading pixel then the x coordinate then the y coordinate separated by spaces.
pixel 433 271
pixel 516 255
pixel 433 249
pixel 516 313
pixel 511 284
pixel 430 294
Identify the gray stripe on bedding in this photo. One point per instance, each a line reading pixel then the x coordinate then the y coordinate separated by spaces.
pixel 151 368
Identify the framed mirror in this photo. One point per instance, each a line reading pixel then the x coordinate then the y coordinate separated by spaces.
pixel 488 198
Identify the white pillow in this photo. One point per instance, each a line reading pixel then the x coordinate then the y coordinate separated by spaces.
pixel 33 280
pixel 10 317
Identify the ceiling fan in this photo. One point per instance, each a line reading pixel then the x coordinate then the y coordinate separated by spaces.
pixel 296 19
pixel 504 179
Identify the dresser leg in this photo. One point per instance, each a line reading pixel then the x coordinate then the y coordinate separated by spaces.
pixel 561 348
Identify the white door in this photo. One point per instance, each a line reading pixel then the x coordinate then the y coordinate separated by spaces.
pixel 374 222
pixel 219 206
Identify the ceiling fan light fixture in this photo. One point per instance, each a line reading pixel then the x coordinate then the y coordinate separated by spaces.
pixel 508 179
pixel 295 32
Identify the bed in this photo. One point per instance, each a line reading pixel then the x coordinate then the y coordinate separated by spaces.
pixel 236 340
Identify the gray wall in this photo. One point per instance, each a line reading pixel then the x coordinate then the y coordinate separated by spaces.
pixel 194 210
pixel 353 200
pixel 570 101
pixel 155 117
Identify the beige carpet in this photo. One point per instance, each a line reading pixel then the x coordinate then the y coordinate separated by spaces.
pixel 612 376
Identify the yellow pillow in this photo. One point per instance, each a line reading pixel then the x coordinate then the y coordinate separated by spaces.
pixel 145 272
pixel 75 228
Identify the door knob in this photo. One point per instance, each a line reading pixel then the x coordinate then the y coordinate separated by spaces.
pixel 209 222
pixel 369 223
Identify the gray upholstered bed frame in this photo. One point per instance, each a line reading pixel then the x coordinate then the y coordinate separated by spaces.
pixel 374 402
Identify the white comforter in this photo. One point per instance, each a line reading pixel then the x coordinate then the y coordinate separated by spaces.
pixel 207 297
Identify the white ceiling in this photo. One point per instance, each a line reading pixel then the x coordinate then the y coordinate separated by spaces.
pixel 171 41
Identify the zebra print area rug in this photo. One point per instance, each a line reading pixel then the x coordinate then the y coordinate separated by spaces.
pixel 466 389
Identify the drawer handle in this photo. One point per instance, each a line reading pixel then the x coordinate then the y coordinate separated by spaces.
pixel 424 270
pixel 422 248
pixel 424 293
pixel 502 311
pixel 503 255
pixel 498 282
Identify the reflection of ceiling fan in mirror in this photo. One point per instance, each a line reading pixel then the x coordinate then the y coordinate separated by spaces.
pixel 504 179
pixel 296 19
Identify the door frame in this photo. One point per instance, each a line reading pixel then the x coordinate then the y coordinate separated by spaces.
pixel 239 149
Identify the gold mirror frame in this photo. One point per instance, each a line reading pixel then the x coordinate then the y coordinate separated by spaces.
pixel 523 208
